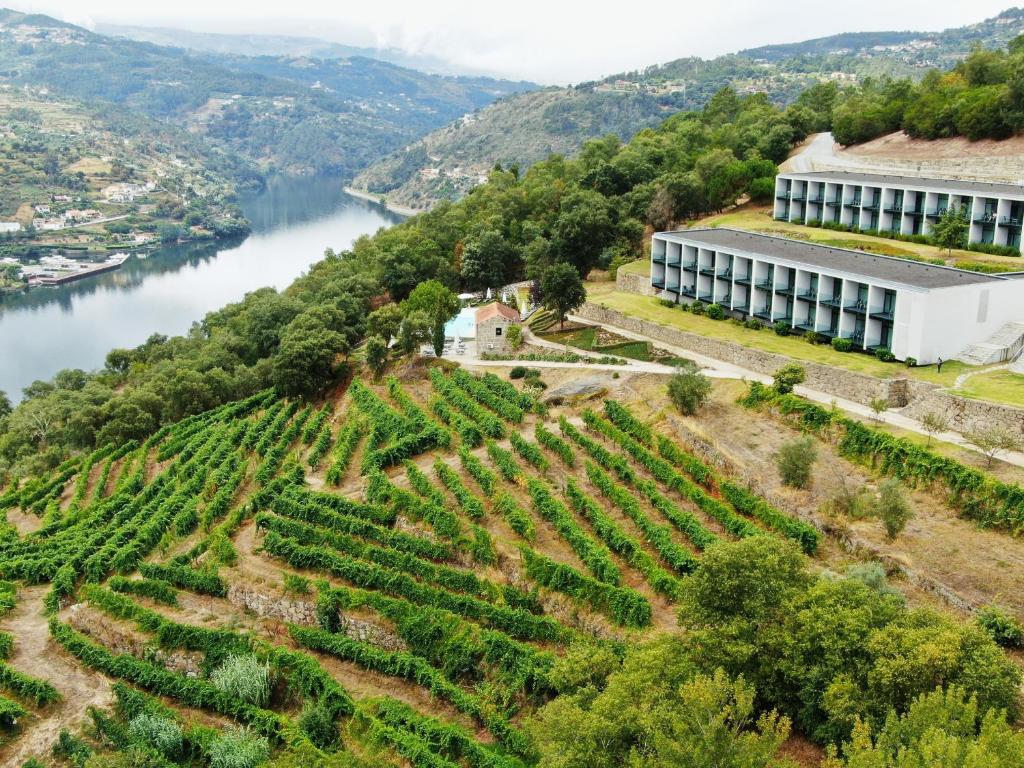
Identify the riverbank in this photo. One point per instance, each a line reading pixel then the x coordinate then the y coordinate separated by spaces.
pixel 401 210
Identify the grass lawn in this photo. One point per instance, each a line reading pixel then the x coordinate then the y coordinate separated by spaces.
pixel 648 308
pixel 999 386
pixel 759 219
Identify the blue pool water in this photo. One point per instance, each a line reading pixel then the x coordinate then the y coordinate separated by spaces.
pixel 462 325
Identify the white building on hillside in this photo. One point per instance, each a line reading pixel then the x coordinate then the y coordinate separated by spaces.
pixel 906 205
pixel 915 309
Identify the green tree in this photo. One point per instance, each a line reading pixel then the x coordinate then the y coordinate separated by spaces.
pixel 688 389
pixel 439 304
pixel 415 330
pixel 659 711
pixel 583 229
pixel 385 322
pixel 376 354
pixel 487 260
pixel 893 508
pixel 5 404
pixel 950 231
pixel 934 423
pixel 795 460
pixel 563 290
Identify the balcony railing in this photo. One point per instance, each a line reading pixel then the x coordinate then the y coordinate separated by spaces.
pixel 787 319
pixel 833 203
pixel 806 326
pixel 882 314
pixel 808 295
pixel 857 307
pixel 690 266
pixel 817 199
pixel 726 300
pixel 897 209
pixel 674 287
pixel 1010 221
pixel 765 284
pixel 764 314
pixel 744 308
pixel 707 271
pixel 658 283
pixel 658 259
pixel 725 274
pixel 798 198
pixel 855 203
pixel 935 213
pixel 742 280
pixel 985 219
pixel 786 290
pixel 688 291
pixel 871 206
pixel 836 302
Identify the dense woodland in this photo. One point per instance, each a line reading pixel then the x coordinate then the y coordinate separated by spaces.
pixel 590 211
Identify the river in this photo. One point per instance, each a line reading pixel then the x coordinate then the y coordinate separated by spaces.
pixel 74 326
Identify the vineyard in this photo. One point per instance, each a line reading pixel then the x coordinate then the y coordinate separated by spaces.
pixel 388 576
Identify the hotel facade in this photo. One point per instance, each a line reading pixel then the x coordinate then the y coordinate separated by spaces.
pixel 914 309
pixel 900 204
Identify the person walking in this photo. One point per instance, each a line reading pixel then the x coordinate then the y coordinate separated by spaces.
pixel 939 366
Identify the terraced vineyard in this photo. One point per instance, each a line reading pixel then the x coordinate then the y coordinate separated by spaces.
pixel 391 575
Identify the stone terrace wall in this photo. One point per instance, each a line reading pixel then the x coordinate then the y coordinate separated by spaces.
pixel 824 378
pixel 630 283
pixel 963 413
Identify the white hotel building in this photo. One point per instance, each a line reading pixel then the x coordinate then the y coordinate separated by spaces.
pixel 914 309
pixel 905 205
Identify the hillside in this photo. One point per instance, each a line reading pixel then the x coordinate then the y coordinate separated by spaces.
pixel 283 113
pixel 519 130
pixel 446 163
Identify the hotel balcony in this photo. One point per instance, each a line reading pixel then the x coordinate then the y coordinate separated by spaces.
pixel 836 302
pixel 882 314
pixel 690 266
pixel 787 290
pixel 659 259
pixel 936 213
pixel 764 284
pixel 895 209
pixel 985 219
pixel 787 319
pixel 799 198
pixel 674 287
pixel 855 203
pixel 707 271
pixel 658 283
pixel 688 291
pixel 805 327
pixel 817 199
pixel 742 280
pixel 857 308
pixel 834 203
pixel 808 295
pixel 764 314
pixel 741 308
pixel 871 206
pixel 1010 221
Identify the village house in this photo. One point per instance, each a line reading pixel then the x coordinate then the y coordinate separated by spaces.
pixel 492 323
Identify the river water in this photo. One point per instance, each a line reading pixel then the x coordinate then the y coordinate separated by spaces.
pixel 75 325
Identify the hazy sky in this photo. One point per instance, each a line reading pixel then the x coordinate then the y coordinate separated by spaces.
pixel 544 40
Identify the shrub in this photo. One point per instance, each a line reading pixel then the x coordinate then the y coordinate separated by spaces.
pixel 296 584
pixel 879 405
pixel 910 362
pixel 697 307
pixel 781 328
pixel 689 389
pixel 812 337
pixel 245 678
pixel 893 508
pixel 517 372
pixel 515 336
pixel 795 460
pixel 715 312
pixel 753 324
pixel 160 733
pixel 238 749
pixel 787 377
pixel 316 722
pixel 842 345
pixel 1003 627
pixel 885 354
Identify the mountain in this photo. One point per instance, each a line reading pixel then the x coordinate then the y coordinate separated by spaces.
pixel 276 45
pixel 523 128
pixel 288 113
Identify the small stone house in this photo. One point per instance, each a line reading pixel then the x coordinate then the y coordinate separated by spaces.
pixel 492 323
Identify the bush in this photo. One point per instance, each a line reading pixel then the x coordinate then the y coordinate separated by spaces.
pixel 697 307
pixel 517 372
pixel 296 584
pixel 160 733
pixel 245 678
pixel 753 324
pixel 316 722
pixel 781 328
pixel 787 377
pixel 842 345
pixel 1003 627
pixel 689 389
pixel 238 749
pixel 885 354
pixel 515 336
pixel 715 312
pixel 795 460
pixel 910 362
pixel 812 337
pixel 893 508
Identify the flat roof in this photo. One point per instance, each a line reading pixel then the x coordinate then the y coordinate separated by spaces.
pixel 995 189
pixel 915 274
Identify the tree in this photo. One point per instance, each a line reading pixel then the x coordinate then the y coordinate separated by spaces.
pixel 304 362
pixel 514 336
pixel 787 377
pixel 659 711
pixel 992 440
pixel 893 508
pixel 385 322
pixel 688 389
pixel 934 423
pixel 946 726
pixel 795 459
pixel 563 290
pixel 1000 626
pixel 950 231
pixel 487 259
pixel 439 304
pixel 878 405
pixel 583 229
pixel 5 404
pixel 376 354
pixel 415 331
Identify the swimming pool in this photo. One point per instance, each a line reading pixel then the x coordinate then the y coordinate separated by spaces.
pixel 462 325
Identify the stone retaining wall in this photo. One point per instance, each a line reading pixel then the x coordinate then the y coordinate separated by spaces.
pixel 631 283
pixel 824 378
pixel 963 413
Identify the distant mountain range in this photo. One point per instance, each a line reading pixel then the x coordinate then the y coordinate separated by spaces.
pixel 289 113
pixel 524 128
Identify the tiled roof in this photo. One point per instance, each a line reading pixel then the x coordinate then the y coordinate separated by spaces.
pixel 494 309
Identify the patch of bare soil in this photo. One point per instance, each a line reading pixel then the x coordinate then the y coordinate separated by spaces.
pixel 961 565
pixel 24 522
pixel 900 146
pixel 36 654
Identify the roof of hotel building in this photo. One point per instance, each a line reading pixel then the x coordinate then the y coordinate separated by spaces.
pixel 997 189
pixel 857 263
